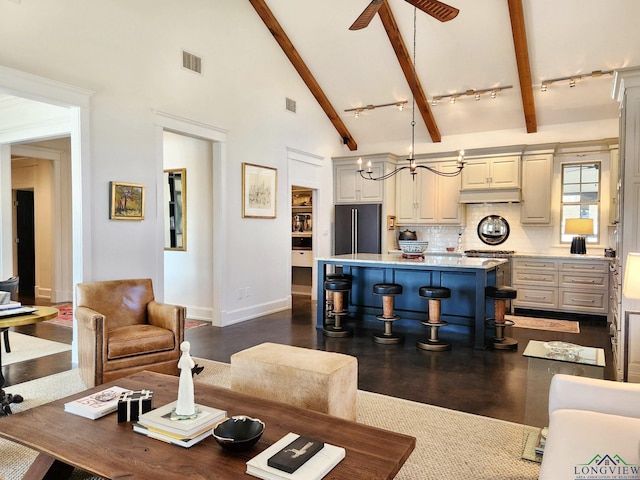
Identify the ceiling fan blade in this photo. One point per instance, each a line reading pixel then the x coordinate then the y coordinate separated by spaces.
pixel 438 10
pixel 365 17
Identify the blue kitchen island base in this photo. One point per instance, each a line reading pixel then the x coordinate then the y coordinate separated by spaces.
pixel 465 277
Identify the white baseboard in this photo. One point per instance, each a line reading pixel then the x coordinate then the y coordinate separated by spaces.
pixel 232 317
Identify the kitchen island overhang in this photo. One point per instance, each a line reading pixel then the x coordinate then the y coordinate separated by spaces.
pixel 467 279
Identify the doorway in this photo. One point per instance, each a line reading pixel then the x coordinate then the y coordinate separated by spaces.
pixel 25 243
pixel 302 254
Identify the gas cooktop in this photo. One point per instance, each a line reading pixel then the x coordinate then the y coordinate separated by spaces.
pixel 489 253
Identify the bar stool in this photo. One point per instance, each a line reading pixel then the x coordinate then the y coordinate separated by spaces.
pixel 500 296
pixel 339 287
pixel 328 305
pixel 388 292
pixel 435 295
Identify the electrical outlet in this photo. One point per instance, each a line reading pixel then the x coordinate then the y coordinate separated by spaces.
pixel 240 293
pixel 247 292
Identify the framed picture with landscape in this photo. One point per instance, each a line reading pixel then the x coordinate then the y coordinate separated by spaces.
pixel 259 186
pixel 126 201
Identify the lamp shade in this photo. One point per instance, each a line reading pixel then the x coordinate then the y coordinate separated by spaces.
pixel 578 226
pixel 631 284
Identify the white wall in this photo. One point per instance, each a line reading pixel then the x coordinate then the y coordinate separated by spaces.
pixel 188 274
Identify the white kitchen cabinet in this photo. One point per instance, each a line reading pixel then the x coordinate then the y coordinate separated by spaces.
pixel 429 199
pixel 302 258
pixel 491 173
pixel 537 173
pixel 574 286
pixel 350 187
pixel 614 169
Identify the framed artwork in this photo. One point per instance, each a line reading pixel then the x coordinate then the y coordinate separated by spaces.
pixel 259 185
pixel 126 201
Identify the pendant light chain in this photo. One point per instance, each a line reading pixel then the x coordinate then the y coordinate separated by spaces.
pixel 413 96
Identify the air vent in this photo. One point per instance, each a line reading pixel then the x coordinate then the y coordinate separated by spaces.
pixel 191 62
pixel 291 105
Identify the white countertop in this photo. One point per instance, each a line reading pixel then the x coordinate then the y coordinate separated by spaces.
pixel 428 261
pixel 564 256
pixel 557 256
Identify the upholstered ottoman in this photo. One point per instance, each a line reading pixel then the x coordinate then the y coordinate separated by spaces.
pixel 322 381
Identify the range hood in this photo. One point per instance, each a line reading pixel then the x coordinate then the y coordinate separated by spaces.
pixel 494 195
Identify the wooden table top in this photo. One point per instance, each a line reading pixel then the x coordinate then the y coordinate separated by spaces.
pixel 111 450
pixel 40 315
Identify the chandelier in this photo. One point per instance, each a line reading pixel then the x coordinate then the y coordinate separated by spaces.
pixel 412 166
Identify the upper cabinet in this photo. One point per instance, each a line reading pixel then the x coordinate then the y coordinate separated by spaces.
pixel 491 179
pixel 429 199
pixel 614 186
pixel 350 187
pixel 537 171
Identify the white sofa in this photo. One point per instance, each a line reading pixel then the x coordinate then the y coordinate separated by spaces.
pixel 594 429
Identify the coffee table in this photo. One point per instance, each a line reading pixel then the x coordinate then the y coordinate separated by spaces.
pixel 11 320
pixel 111 450
pixel 543 364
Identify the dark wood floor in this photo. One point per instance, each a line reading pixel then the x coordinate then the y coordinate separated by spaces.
pixel 485 382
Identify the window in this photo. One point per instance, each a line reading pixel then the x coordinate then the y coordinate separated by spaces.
pixel 581 196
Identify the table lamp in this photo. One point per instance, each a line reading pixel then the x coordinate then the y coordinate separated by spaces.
pixel 631 290
pixel 578 227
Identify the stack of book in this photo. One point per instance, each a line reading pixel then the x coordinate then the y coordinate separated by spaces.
pixel 14 308
pixel 158 424
pixel 542 441
pixel 295 458
pixel 96 405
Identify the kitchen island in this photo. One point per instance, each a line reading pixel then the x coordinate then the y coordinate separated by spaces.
pixel 465 277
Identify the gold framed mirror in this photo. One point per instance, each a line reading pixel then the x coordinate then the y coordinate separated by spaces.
pixel 175 209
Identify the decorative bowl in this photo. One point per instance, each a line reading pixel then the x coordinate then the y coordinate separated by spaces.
pixel 413 246
pixel 238 433
pixel 562 350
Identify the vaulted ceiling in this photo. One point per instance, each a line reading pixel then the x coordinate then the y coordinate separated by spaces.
pixel 517 44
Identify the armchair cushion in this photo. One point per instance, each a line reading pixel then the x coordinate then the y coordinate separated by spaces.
pixel 138 339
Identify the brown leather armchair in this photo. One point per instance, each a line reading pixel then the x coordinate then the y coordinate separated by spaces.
pixel 123 330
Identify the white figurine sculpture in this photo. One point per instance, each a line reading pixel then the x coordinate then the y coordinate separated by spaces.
pixel 185 406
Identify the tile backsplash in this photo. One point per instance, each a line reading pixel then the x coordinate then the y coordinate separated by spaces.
pixel 522 239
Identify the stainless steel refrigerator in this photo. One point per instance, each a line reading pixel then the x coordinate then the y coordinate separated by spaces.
pixel 357 228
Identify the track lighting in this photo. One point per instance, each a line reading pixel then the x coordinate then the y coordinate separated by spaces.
pixel 573 79
pixel 476 94
pixel 399 105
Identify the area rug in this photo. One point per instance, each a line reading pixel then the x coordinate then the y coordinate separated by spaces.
pixel 566 326
pixel 65 318
pixel 450 444
pixel 27 347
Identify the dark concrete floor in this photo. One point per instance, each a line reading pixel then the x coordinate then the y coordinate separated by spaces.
pixel 484 382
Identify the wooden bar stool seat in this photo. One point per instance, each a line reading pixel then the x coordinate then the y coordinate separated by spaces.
pixel 500 296
pixel 435 296
pixel 388 291
pixel 339 287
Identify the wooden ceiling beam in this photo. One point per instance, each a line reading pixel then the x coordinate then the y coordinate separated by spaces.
pixel 391 27
pixel 522 59
pixel 307 77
